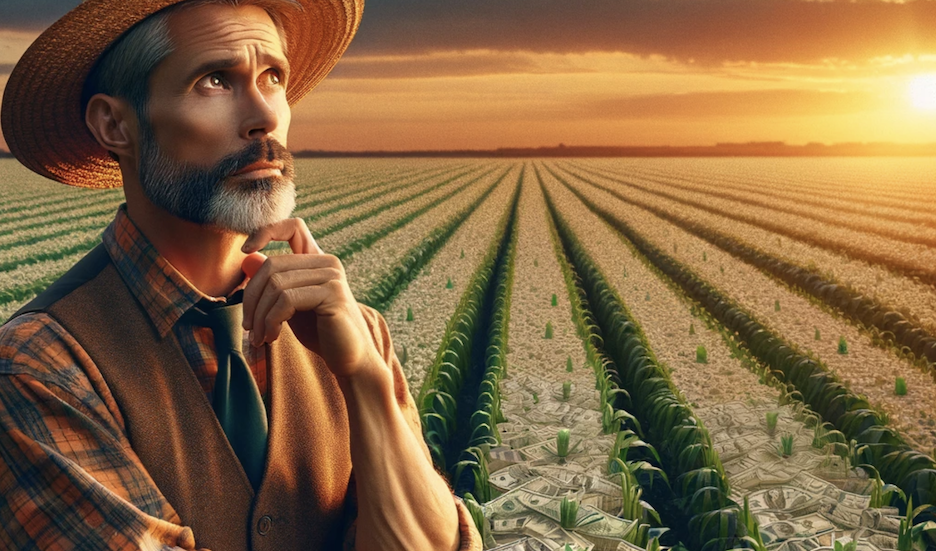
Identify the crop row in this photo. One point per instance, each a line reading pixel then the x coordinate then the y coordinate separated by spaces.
pixel 696 504
pixel 382 292
pixel 908 260
pixel 806 378
pixel 885 323
pixel 459 398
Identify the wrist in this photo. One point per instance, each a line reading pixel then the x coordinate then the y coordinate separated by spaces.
pixel 370 385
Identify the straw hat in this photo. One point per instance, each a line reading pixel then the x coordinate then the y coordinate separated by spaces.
pixel 41 111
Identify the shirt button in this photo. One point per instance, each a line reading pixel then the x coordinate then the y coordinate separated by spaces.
pixel 264 525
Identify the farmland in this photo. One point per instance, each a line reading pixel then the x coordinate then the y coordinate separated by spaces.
pixel 628 353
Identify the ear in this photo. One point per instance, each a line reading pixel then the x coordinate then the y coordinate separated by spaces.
pixel 113 123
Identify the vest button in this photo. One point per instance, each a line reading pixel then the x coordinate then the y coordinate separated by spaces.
pixel 264 525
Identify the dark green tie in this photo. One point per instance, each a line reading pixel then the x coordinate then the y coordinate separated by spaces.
pixel 237 401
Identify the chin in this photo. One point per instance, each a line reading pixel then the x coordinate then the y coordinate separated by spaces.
pixel 246 209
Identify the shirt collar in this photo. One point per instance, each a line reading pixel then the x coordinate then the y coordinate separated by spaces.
pixel 163 292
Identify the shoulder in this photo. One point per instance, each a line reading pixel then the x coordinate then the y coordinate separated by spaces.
pixel 36 344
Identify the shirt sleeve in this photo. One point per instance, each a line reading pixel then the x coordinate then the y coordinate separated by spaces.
pixel 470 537
pixel 68 477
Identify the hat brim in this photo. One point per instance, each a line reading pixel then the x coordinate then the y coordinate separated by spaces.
pixel 41 112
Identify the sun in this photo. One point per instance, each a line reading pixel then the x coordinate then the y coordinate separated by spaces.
pixel 923 92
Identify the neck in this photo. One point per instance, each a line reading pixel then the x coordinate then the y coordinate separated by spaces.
pixel 208 257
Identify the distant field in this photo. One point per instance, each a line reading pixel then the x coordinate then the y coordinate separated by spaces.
pixel 729 329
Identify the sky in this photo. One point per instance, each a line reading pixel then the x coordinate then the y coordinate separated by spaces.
pixel 482 74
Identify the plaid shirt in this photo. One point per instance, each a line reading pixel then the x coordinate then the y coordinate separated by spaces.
pixel 69 478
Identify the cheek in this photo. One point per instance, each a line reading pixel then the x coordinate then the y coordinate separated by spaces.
pixel 196 134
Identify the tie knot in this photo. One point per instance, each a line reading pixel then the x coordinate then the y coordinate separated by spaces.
pixel 224 319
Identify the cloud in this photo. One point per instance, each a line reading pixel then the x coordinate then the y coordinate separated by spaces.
pixel 729 104
pixel 700 31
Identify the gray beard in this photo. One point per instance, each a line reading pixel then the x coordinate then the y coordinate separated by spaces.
pixel 204 196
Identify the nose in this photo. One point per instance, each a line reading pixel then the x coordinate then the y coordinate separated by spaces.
pixel 260 117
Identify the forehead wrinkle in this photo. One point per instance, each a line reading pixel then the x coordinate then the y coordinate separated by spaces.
pixel 225 36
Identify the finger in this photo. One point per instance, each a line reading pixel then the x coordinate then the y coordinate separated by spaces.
pixel 292 230
pixel 286 306
pixel 252 263
pixel 281 282
pixel 278 264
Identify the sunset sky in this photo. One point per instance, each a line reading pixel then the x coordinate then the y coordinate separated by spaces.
pixel 446 74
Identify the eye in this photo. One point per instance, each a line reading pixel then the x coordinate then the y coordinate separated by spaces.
pixel 273 76
pixel 214 80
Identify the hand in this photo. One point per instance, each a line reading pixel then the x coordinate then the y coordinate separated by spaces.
pixel 307 289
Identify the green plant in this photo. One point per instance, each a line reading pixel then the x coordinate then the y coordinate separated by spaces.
pixel 448 284
pixel 462 254
pixel 535 263
pixel 647 298
pixel 562 442
pixel 404 355
pixel 722 269
pixel 479 469
pixel 625 272
pixel 772 422
pixel 786 445
pixel 842 346
pixel 701 355
pixel 900 387
pixel 569 364
pixel 753 530
pixel 409 314
pixel 818 337
pixel 704 257
pixel 568 513
pixel 477 515
pixel 549 330
pixel 566 391
pixel 535 398
pixel 555 300
pixel 691 329
pixel 776 305
pixel 850 546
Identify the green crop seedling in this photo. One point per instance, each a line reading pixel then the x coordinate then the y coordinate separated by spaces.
pixel 566 391
pixel 900 387
pixel 842 346
pixel 569 364
pixel 691 329
pixel 409 314
pixel 449 285
pixel 772 422
pixel 549 330
pixel 555 300
pixel 701 355
pixel 786 445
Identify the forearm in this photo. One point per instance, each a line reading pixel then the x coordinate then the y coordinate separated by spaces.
pixel 403 504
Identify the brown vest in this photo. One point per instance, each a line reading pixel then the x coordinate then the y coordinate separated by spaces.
pixel 304 500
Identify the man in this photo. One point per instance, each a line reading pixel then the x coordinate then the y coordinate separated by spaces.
pixel 134 412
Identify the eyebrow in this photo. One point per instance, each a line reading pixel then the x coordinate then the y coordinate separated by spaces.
pixel 213 65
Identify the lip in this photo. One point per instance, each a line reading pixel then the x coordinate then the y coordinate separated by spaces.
pixel 261 167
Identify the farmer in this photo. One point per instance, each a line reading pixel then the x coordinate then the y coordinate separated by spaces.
pixel 142 404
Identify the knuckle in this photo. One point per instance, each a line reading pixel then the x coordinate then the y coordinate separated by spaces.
pixel 277 283
pixel 333 273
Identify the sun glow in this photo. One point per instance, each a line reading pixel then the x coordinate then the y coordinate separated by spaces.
pixel 923 92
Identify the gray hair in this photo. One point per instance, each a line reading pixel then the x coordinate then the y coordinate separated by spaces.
pixel 125 67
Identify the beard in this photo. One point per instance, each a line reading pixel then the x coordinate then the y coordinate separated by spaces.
pixel 206 196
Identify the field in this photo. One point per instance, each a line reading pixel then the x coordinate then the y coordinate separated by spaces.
pixel 629 353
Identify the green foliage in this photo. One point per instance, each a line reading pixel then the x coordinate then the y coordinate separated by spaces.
pixel 818 337
pixel 722 269
pixel 555 300
pixel 753 537
pixel 403 356
pixel 566 391
pixel 704 257
pixel 535 263
pixel 786 445
pixel 842 346
pixel 477 515
pixel 569 364
pixel 562 442
pixel 776 306
pixel 647 298
pixel 691 329
pixel 409 314
pixel 535 398
pixel 549 330
pixel 850 546
pixel 772 422
pixel 701 355
pixel 900 387
pixel 449 285
pixel 462 254
pixel 625 272
pixel 568 513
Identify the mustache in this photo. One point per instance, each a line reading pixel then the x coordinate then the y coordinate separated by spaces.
pixel 265 149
